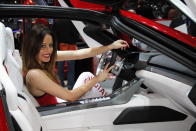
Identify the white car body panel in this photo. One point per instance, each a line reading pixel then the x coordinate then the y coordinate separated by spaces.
pixel 101 118
pixel 172 89
pixel 189 9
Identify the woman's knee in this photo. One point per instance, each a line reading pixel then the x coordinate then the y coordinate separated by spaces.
pixel 86 74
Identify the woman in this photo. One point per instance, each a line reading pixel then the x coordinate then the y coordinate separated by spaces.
pixel 39 55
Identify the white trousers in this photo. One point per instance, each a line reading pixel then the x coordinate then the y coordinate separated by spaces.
pixel 96 91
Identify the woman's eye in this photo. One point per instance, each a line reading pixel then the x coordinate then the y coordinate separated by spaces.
pixel 43 46
pixel 47 46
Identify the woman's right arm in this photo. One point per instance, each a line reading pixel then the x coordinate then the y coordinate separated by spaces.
pixel 90 52
pixel 39 81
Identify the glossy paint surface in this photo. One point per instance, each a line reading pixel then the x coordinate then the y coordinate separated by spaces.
pixel 3 121
pixel 188 39
pixel 87 5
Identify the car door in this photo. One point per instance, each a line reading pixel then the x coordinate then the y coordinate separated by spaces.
pixel 124 16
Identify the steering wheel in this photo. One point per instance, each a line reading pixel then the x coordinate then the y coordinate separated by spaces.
pixel 110 57
pixel 105 58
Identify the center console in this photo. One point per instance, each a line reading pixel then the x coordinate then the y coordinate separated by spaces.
pixel 119 96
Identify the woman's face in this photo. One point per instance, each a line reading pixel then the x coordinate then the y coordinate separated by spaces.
pixel 46 49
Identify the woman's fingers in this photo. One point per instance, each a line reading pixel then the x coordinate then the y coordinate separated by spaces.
pixel 111 76
pixel 105 68
pixel 123 48
pixel 110 68
pixel 120 44
pixel 125 44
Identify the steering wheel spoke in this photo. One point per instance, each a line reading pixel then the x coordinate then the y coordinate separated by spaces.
pixel 112 58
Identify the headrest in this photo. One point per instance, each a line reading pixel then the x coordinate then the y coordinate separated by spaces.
pixel 14 71
pixel 10 39
pixel 3 44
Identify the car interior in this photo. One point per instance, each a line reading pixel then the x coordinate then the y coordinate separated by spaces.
pixel 135 71
pixel 151 91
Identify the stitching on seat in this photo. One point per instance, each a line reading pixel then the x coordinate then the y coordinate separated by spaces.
pixel 21 96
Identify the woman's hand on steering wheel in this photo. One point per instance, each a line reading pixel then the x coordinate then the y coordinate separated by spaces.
pixel 105 74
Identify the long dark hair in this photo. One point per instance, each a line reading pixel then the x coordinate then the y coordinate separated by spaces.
pixel 31 47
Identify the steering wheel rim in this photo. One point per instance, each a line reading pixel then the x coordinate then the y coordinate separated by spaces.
pixel 104 60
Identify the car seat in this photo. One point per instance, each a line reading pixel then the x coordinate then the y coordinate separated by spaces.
pixel 19 104
pixel 13 64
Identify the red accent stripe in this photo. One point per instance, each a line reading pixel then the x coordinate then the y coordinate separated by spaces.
pixel 187 39
pixel 3 121
pixel 90 6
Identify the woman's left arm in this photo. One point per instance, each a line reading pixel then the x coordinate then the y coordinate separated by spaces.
pixel 90 52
